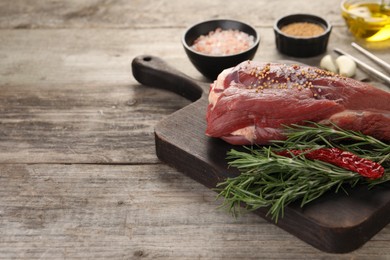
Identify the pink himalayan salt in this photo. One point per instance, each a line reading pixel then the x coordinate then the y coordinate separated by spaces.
pixel 223 42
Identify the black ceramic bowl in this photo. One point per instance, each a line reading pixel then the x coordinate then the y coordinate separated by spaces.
pixel 211 65
pixel 302 46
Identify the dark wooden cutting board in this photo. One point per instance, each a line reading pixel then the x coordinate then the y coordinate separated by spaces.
pixel 336 223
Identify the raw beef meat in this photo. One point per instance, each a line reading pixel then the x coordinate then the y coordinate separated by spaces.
pixel 250 103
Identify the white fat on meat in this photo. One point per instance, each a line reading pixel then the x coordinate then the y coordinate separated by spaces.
pixel 249 133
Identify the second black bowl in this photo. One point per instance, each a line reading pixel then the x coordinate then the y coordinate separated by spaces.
pixel 211 65
pixel 302 46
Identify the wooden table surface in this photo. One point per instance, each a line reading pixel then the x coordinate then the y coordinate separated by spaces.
pixel 79 177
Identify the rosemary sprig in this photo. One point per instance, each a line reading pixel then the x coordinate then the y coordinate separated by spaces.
pixel 314 134
pixel 268 180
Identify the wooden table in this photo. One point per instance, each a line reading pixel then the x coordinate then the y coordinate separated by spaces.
pixel 79 177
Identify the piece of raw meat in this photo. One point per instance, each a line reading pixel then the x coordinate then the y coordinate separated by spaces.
pixel 250 103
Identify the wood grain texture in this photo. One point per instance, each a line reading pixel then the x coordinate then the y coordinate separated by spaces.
pixel 73 124
pixel 79 177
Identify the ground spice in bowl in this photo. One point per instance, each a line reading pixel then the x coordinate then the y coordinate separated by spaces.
pixel 302 35
pixel 303 29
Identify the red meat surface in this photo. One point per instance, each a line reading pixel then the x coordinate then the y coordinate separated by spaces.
pixel 250 103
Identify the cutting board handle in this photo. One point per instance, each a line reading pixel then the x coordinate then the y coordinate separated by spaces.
pixel 153 71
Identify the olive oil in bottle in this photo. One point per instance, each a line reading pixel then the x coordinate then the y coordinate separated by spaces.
pixel 368 20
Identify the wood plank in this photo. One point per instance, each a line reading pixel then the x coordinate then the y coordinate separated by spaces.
pixel 151 14
pixel 81 125
pixel 85 57
pixel 105 211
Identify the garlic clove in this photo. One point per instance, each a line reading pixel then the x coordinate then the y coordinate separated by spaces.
pixel 347 66
pixel 328 64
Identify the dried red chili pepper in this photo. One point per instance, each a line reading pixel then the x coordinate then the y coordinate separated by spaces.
pixel 343 159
